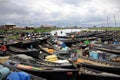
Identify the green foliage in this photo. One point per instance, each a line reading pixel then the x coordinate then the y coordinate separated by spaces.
pixel 12 37
pixel 105 28
pixel 41 29
pixel 4 31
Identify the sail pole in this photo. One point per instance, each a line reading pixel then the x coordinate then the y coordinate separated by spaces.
pixel 107 22
pixel 115 21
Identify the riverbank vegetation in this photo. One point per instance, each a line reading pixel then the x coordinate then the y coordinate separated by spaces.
pixel 105 28
pixel 42 30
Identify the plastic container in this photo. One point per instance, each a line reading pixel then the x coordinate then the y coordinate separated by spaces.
pixel 86 42
pixel 93 55
pixel 116 42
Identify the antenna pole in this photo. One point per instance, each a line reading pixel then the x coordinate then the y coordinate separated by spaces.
pixel 22 20
pixel 115 21
pixel 107 22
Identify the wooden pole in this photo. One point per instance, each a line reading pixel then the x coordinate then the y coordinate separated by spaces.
pixel 115 21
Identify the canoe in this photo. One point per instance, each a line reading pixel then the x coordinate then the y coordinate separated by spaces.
pixel 88 34
pixel 108 48
pixel 45 49
pixel 99 65
pixel 46 43
pixel 30 52
pixel 32 77
pixel 24 42
pixel 43 54
pixel 103 55
pixel 24 59
pixel 82 39
pixel 102 65
pixel 52 50
pixel 2 36
pixel 14 43
pixel 92 74
pixel 49 73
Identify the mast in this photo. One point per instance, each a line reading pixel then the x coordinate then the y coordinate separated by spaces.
pixel 115 21
pixel 107 22
pixel 23 21
pixel 30 22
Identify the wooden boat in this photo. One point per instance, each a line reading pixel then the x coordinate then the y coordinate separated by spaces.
pixel 50 48
pixel 13 43
pixel 69 41
pixel 107 39
pixel 48 51
pixel 63 53
pixel 2 36
pixel 99 65
pixel 80 45
pixel 41 38
pixel 32 77
pixel 106 56
pixel 30 52
pixel 48 73
pixel 92 74
pixel 45 33
pixel 86 34
pixel 45 49
pixel 89 38
pixel 24 59
pixel 102 65
pixel 75 40
pixel 108 48
pixel 24 42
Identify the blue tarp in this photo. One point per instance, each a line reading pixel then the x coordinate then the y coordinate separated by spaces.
pixel 18 76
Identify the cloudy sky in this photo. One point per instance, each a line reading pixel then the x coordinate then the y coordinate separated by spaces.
pixel 60 12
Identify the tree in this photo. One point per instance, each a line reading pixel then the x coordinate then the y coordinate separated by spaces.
pixel 94 26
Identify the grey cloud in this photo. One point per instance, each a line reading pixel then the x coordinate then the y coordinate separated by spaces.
pixel 8 8
pixel 75 2
pixel 114 1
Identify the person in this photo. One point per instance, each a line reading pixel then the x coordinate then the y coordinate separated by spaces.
pixel 31 46
pixel 56 35
pixel 73 37
pixel 81 43
pixel 61 32
pixel 79 51
pixel 74 56
pixel 3 50
pixel 115 41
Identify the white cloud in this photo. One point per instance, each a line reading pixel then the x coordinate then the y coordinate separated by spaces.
pixel 60 12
